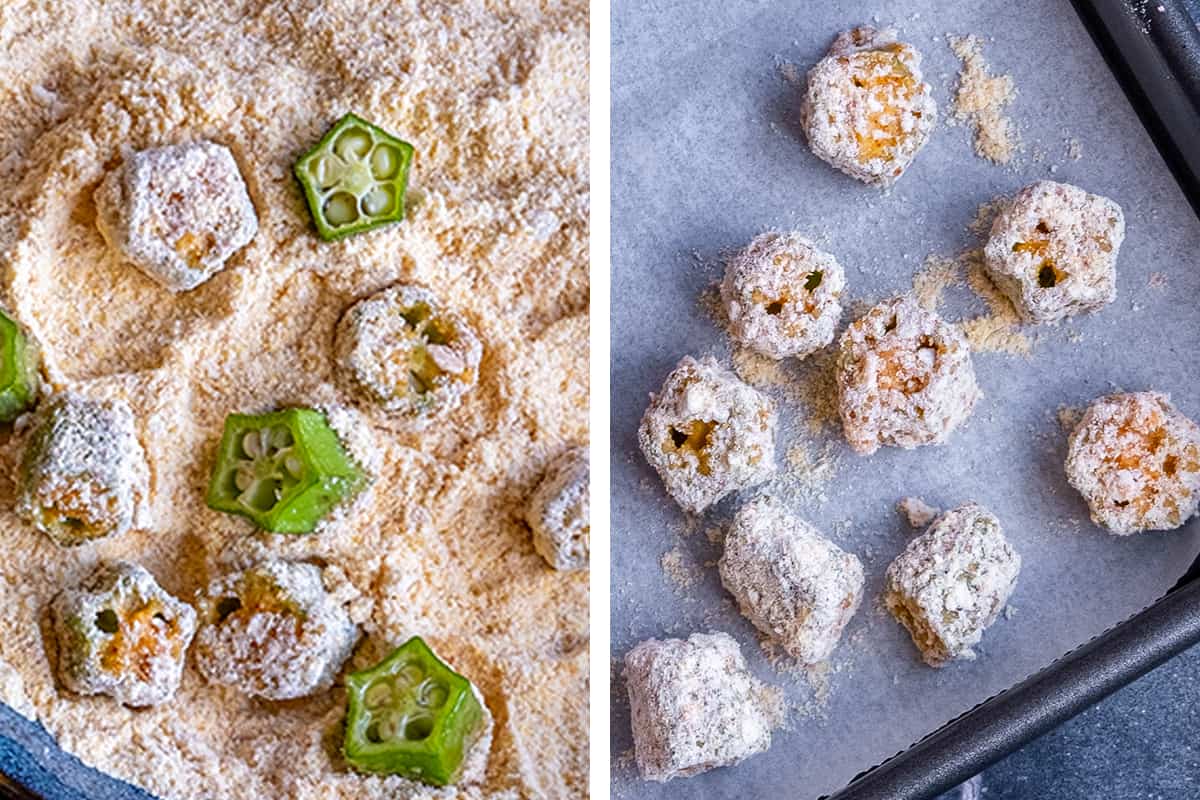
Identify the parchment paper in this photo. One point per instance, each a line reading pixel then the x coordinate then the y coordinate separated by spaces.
pixel 707 153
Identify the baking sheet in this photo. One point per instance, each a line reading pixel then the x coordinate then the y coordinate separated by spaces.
pixel 707 153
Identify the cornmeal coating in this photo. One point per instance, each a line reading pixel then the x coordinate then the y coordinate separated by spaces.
pixel 177 213
pixel 559 512
pixel 694 706
pixel 83 473
pixel 866 110
pixel 402 350
pixel 708 434
pixel 1136 461
pixel 781 295
pixel 273 631
pixel 121 635
pixel 1053 251
pixel 951 582
pixel 795 585
pixel 904 377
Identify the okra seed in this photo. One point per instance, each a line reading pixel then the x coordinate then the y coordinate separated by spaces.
pixel 432 694
pixel 385 161
pixel 409 675
pixel 353 144
pixel 417 728
pixel 377 201
pixel 341 209
pixel 107 621
pixel 325 170
pixel 378 695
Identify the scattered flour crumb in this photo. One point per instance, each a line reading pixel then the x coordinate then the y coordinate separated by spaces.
pixel 981 226
pixel 980 99
pixel 935 276
pixel 1158 280
pixel 679 569
pixel 1010 612
pixel 1074 149
pixel 999 330
pixel 1069 416
pixel 918 513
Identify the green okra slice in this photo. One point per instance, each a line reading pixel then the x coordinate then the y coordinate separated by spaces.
pixel 355 178
pixel 18 370
pixel 284 471
pixel 411 715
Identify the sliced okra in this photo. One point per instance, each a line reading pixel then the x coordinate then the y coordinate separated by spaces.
pixel 411 715
pixel 355 178
pixel 18 370
pixel 284 470
pixel 121 635
pixel 84 471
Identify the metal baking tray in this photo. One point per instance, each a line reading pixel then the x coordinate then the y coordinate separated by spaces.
pixel 1154 52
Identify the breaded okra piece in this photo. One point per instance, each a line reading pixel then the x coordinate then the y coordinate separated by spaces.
pixel 177 213
pixel 795 585
pixel 1053 251
pixel 781 295
pixel 694 706
pixel 1136 460
pixel 403 350
pixel 273 631
pixel 708 434
pixel 84 473
pixel 951 582
pixel 121 635
pixel 866 110
pixel 904 377
pixel 559 512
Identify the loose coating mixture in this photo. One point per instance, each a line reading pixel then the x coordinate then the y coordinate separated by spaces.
pixel 493 98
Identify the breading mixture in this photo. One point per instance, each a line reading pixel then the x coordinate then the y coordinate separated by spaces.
pixel 493 95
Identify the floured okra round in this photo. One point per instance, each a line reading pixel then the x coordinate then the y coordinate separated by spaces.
pixel 708 434
pixel 177 213
pixel 285 470
pixel 83 473
pixel 273 631
pixel 354 179
pixel 412 715
pixel 866 110
pixel 559 512
pixel 1053 251
pixel 904 377
pixel 1136 461
pixel 781 295
pixel 795 585
pixel 119 634
pixel 400 348
pixel 694 706
pixel 951 582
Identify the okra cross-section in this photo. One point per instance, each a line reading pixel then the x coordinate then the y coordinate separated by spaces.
pixel 273 631
pixel 84 473
pixel 284 471
pixel 403 350
pixel 355 178
pixel 412 715
pixel 18 370
pixel 121 635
